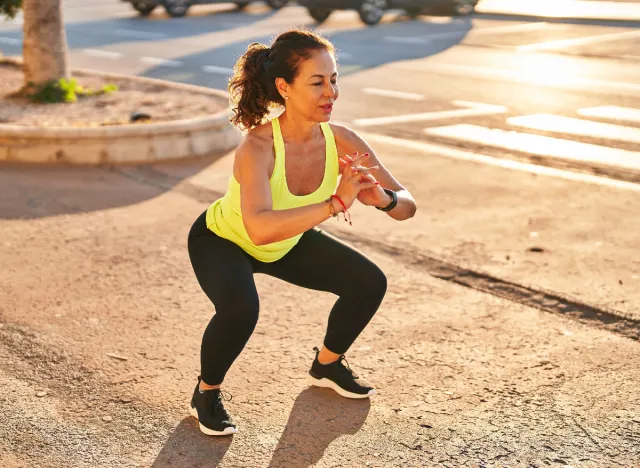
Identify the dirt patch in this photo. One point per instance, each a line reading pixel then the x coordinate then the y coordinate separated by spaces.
pixel 162 103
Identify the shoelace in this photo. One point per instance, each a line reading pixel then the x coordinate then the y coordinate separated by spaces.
pixel 215 402
pixel 346 367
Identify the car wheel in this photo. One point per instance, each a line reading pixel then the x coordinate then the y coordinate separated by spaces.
pixel 319 14
pixel 414 12
pixel 242 3
pixel 144 7
pixel 463 7
pixel 277 4
pixel 177 8
pixel 372 11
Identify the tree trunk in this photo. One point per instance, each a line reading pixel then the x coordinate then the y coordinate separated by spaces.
pixel 45 42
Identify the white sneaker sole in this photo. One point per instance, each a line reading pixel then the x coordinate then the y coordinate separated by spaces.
pixel 326 383
pixel 228 431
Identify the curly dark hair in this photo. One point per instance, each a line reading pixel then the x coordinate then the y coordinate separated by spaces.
pixel 252 87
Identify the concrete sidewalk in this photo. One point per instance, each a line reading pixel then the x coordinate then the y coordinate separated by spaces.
pixel 101 322
pixel 566 9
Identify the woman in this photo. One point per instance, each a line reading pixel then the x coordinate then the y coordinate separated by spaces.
pixel 266 221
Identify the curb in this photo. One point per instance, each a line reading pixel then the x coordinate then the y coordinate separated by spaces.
pixel 121 144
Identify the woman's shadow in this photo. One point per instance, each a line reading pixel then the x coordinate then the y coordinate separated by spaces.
pixel 318 417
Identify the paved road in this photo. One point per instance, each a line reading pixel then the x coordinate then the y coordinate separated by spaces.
pixel 509 336
pixel 566 90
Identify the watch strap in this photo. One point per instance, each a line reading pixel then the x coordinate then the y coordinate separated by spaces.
pixel 393 203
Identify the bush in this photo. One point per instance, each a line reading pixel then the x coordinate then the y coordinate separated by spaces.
pixel 10 8
pixel 64 90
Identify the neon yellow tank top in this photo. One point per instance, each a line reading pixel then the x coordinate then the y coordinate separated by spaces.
pixel 224 216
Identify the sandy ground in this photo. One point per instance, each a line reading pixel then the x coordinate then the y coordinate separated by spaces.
pixel 101 319
pixel 115 108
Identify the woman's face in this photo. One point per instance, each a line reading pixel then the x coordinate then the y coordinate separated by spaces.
pixel 315 89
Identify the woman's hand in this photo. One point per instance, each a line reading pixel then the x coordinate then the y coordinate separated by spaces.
pixel 373 196
pixel 355 179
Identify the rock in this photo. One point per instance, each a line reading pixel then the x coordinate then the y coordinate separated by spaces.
pixel 139 116
pixel 115 356
pixel 535 249
pixel 41 394
pixel 107 418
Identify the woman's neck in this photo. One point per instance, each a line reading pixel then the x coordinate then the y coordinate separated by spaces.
pixel 296 130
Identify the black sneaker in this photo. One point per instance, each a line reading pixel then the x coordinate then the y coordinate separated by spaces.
pixel 339 377
pixel 207 408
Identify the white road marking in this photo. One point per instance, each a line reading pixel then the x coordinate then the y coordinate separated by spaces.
pixel 10 41
pixel 600 10
pixel 446 151
pixel 539 145
pixel 102 53
pixel 217 70
pixel 139 34
pixel 624 114
pixel 577 41
pixel 394 94
pixel 472 109
pixel 161 61
pixel 463 32
pixel 560 124
pixel 517 76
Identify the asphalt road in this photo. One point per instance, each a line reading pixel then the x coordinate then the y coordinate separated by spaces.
pixel 564 90
pixel 509 334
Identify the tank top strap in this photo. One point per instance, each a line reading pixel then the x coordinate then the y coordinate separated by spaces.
pixel 278 145
pixel 332 165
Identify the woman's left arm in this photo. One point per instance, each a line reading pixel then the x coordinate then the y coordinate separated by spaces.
pixel 349 143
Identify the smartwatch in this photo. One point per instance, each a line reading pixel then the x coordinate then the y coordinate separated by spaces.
pixel 393 203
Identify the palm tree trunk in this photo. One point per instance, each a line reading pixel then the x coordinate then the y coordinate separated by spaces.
pixel 45 42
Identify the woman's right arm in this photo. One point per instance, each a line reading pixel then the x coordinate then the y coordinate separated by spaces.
pixel 265 225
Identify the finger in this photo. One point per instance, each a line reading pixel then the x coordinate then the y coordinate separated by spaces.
pixel 366 170
pixel 361 157
pixel 366 185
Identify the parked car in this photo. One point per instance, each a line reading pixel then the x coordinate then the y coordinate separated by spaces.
pixel 178 8
pixel 372 11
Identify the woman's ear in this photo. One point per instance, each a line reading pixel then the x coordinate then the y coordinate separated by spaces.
pixel 282 86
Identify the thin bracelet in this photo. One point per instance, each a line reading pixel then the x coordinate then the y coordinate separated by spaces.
pixel 332 210
pixel 347 215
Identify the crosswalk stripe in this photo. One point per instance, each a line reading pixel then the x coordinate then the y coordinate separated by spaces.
pixel 472 109
pixel 538 145
pixel 625 114
pixel 394 94
pixel 569 125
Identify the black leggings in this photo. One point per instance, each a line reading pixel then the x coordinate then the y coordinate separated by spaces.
pixel 319 261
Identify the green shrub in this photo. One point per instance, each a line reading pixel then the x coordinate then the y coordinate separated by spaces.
pixel 64 90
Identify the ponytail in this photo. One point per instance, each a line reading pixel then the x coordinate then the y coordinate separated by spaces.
pixel 252 88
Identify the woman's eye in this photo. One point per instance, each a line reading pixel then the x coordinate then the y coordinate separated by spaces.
pixel 317 84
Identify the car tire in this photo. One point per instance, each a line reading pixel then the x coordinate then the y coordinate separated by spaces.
pixel 177 8
pixel 414 12
pixel 462 7
pixel 319 14
pixel 277 4
pixel 242 4
pixel 144 7
pixel 372 11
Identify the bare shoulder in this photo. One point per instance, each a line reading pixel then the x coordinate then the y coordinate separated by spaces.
pixel 348 141
pixel 345 135
pixel 255 147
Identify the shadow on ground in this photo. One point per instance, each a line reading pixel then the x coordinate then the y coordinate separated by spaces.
pixel 34 191
pixel 317 419
pixel 188 447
